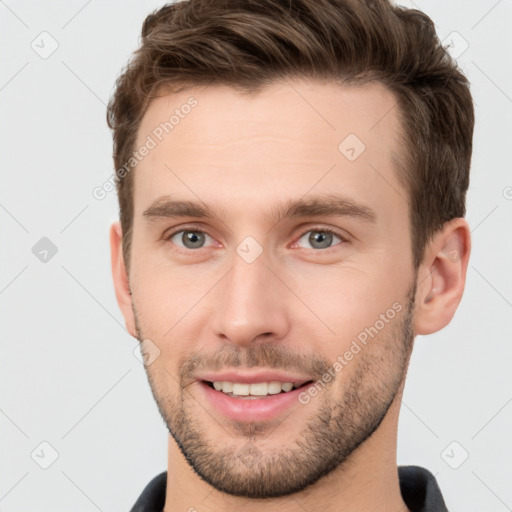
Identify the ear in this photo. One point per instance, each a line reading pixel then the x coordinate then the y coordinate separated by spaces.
pixel 442 276
pixel 121 282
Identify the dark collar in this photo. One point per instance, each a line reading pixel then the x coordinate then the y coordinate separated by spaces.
pixel 418 487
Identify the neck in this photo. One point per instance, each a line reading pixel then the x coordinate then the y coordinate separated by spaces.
pixel 367 481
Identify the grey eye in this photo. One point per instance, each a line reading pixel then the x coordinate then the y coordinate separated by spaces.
pixel 189 239
pixel 319 239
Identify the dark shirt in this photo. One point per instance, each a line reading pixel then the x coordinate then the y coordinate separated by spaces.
pixel 418 487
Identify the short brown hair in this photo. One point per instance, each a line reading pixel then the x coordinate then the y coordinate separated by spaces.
pixel 249 44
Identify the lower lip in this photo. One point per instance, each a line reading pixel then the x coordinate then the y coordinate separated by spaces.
pixel 251 409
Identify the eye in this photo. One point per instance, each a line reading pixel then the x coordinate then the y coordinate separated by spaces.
pixel 321 238
pixel 188 238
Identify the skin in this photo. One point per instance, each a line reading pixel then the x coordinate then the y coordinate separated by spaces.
pixel 243 155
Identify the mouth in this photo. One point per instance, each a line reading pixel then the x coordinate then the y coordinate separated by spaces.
pixel 255 390
pixel 256 401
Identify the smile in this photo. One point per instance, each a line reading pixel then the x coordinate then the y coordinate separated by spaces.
pixel 255 389
pixel 251 402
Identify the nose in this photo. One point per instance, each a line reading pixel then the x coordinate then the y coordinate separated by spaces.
pixel 250 304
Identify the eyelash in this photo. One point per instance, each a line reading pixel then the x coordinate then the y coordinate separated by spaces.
pixel 316 228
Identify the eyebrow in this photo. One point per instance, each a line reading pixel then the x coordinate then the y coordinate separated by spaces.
pixel 321 205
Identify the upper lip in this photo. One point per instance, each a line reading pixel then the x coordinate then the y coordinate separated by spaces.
pixel 253 376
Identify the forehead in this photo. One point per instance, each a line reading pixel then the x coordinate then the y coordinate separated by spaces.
pixel 287 138
pixel 312 108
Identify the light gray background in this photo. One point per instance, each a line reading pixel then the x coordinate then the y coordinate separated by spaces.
pixel 68 373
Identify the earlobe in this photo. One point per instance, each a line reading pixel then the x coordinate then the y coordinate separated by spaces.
pixel 120 277
pixel 442 277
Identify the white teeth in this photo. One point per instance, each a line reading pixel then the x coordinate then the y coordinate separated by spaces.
pixel 259 388
pixel 240 389
pixel 255 389
pixel 274 388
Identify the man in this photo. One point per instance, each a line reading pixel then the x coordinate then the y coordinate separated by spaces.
pixel 292 179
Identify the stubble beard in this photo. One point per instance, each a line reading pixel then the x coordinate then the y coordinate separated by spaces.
pixel 235 465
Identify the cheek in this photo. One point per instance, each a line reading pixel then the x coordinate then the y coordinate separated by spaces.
pixel 348 301
pixel 159 301
pixel 169 303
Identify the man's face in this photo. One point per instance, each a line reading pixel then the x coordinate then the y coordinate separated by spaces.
pixel 272 287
